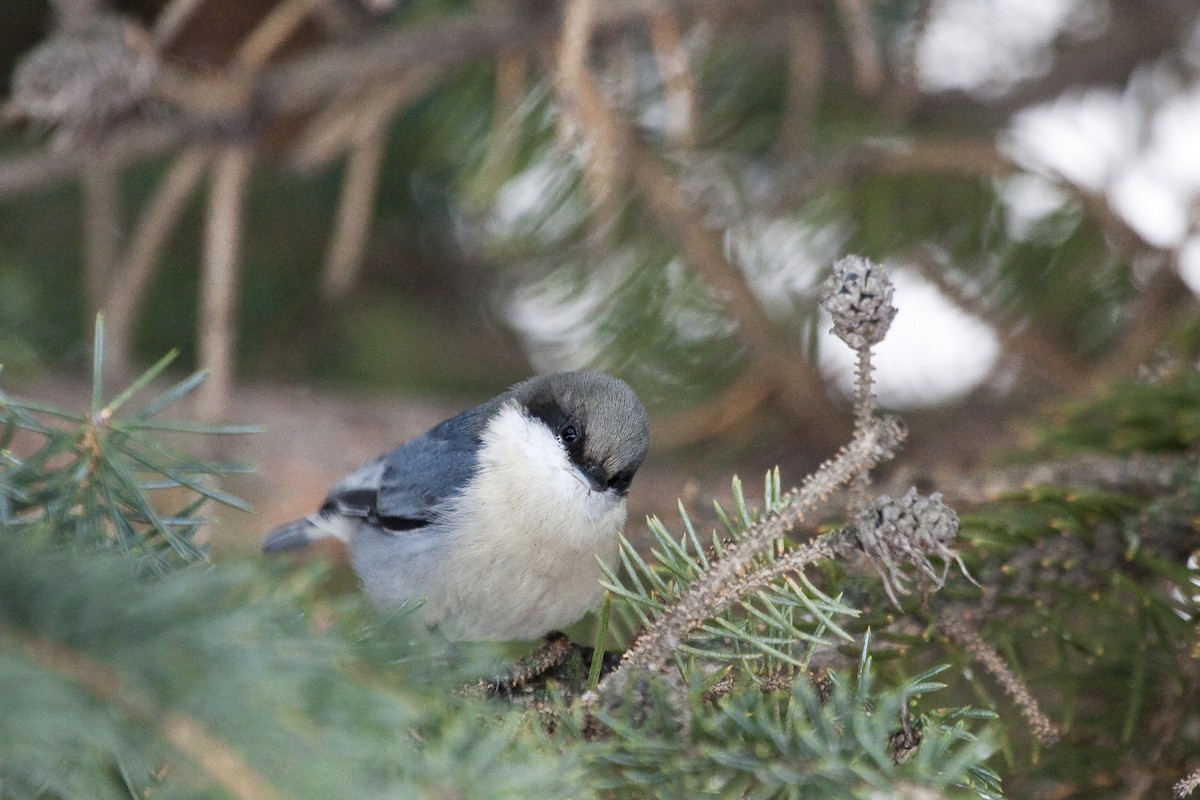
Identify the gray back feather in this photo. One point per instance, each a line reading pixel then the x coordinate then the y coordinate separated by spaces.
pixel 409 482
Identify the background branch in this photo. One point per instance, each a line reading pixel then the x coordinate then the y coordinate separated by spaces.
pixel 679 85
pixel 124 293
pixel 862 42
pixel 1023 340
pixel 805 79
pixel 218 276
pixel 352 225
pixel 101 230
pixel 799 386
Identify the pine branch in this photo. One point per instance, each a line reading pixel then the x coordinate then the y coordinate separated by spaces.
pixel 122 295
pixel 678 82
pixel 729 578
pixel 1135 474
pixel 863 43
pixel 796 742
pixel 959 630
pixel 215 757
pixel 103 480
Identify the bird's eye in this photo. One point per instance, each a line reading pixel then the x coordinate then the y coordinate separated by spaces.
pixel 569 433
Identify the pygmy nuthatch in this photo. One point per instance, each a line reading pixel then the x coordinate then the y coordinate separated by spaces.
pixel 496 518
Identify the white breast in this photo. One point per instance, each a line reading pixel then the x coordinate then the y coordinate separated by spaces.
pixel 529 530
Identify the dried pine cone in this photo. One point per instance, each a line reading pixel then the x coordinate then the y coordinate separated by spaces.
pixel 859 296
pixel 909 531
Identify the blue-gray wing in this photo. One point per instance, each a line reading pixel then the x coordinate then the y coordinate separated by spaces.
pixel 403 489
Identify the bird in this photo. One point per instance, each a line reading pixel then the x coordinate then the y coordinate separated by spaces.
pixel 493 523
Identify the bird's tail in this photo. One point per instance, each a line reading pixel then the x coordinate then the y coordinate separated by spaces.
pixel 303 532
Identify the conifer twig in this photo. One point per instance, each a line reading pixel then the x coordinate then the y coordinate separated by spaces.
pixel 731 577
pixel 957 628
pixel 859 29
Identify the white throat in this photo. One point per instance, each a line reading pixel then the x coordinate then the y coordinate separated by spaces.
pixel 530 530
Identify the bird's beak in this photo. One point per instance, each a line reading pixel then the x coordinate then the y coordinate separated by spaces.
pixel 597 481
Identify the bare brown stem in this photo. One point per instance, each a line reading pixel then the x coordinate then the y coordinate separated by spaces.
pixel 806 75
pixel 586 116
pixel 125 291
pixel 512 67
pixel 863 45
pixel 171 19
pixel 864 411
pixel 352 226
pixel 270 34
pixel 218 286
pixel 357 115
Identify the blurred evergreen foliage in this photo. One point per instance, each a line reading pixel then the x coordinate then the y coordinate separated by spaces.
pixel 232 680
pixel 131 667
pixel 524 246
pixel 1131 417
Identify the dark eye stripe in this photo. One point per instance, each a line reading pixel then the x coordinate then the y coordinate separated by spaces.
pixel 550 413
pixel 559 421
